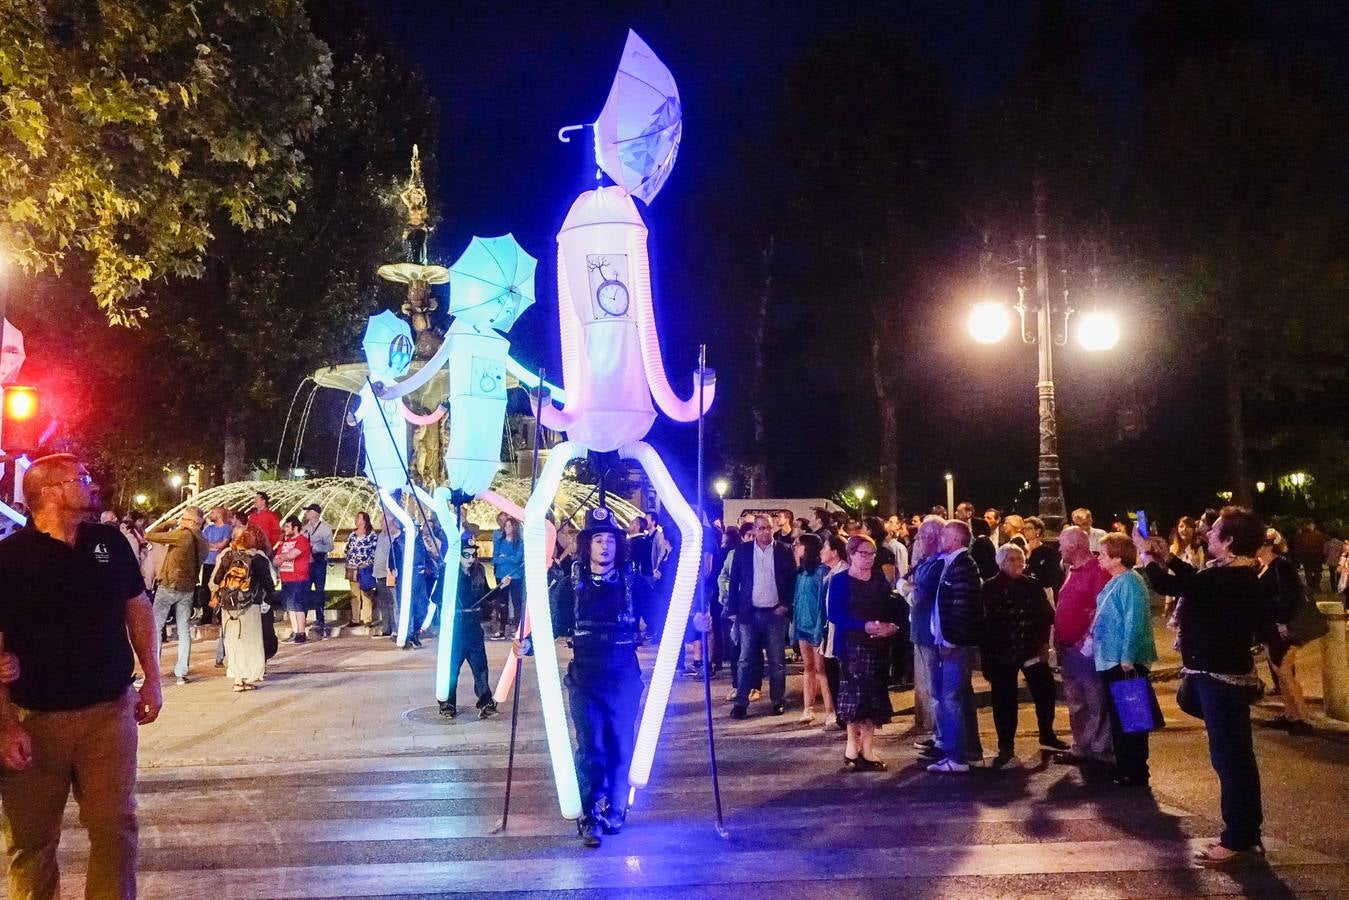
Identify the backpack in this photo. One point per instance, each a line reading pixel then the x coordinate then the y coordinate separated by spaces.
pixel 237 592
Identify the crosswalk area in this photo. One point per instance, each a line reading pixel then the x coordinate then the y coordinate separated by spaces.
pixel 333 823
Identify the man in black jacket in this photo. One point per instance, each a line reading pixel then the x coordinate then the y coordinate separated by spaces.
pixel 763 579
pixel 957 627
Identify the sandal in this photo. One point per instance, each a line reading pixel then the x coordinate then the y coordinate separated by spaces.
pixel 1217 856
pixel 239 687
pixel 851 763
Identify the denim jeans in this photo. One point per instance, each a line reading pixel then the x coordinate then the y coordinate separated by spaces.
pixel 762 631
pixel 318 585
pixel 1226 711
pixel 181 603
pixel 953 695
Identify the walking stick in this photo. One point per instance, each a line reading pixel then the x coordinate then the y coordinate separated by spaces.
pixel 702 604
pixel 520 636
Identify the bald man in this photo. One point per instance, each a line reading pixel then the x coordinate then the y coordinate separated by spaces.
pixel 72 609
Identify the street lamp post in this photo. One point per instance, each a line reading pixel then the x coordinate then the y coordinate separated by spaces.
pixel 950 494
pixel 989 322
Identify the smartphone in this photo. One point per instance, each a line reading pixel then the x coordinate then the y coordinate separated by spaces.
pixel 1142 523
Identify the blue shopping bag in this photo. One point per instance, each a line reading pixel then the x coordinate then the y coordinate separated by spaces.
pixel 1136 703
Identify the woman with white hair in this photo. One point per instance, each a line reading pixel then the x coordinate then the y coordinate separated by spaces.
pixel 1016 639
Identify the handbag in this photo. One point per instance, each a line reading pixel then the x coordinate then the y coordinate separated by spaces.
pixel 1306 624
pixel 1136 704
pixel 365 578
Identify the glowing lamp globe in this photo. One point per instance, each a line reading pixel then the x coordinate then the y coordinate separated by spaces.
pixel 989 321
pixel 721 487
pixel 1098 331
pixel 176 481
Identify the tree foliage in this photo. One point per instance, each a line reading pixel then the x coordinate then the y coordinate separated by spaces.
pixel 1241 201
pixel 224 353
pixel 132 130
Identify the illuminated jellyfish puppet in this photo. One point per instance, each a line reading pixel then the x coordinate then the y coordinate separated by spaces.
pixel 491 284
pixel 612 369
pixel 387 346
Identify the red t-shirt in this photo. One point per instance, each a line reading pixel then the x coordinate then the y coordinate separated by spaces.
pixel 1077 602
pixel 268 522
pixel 296 569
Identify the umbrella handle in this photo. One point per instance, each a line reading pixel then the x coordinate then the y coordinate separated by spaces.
pixel 562 132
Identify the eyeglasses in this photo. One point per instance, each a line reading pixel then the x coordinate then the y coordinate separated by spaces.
pixel 83 478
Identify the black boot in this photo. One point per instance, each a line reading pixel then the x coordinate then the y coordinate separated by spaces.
pixel 448 710
pixel 486 706
pixel 612 820
pixel 585 827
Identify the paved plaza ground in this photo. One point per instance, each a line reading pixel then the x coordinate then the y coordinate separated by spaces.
pixel 337 779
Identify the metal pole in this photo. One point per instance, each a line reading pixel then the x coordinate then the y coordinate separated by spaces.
pixel 950 495
pixel 4 311
pixel 703 606
pixel 1053 509
pixel 520 636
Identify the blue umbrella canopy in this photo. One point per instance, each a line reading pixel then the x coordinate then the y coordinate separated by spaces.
pixel 387 345
pixel 637 133
pixel 492 282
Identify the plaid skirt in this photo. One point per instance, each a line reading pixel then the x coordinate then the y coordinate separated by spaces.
pixel 863 693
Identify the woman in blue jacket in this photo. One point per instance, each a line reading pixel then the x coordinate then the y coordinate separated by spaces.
pixel 1124 648
pixel 808 623
pixel 508 564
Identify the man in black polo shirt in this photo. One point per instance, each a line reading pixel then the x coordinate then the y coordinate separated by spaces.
pixel 72 607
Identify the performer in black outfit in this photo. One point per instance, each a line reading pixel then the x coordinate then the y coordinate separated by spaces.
pixel 603 680
pixel 468 641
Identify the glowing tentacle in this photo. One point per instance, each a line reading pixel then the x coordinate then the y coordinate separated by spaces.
pixel 430 418
pixel 681 599
pixel 530 380
pixel 512 509
pixel 449 589
pixel 545 654
pixel 405 572
pixel 652 361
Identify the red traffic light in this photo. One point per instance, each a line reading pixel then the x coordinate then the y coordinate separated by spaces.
pixel 20 402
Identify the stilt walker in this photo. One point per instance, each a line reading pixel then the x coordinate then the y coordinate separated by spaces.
pixel 612 370
pixel 491 284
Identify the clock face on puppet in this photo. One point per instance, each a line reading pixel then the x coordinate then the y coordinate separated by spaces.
pixel 608 285
pixel 612 297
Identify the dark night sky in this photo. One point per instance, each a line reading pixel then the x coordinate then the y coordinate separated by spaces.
pixel 508 75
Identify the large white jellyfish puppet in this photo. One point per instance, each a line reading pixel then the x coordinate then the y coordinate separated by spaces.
pixel 612 369
pixel 388 347
pixel 491 284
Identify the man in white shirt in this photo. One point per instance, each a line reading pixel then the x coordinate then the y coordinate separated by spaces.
pixel 763 577
pixel 994 520
pixel 1082 519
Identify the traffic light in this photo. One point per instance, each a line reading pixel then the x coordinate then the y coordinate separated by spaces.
pixel 20 426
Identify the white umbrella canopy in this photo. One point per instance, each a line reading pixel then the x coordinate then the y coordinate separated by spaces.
pixel 638 131
pixel 492 282
pixel 388 345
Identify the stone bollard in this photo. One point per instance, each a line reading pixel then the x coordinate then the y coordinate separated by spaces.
pixel 1334 661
